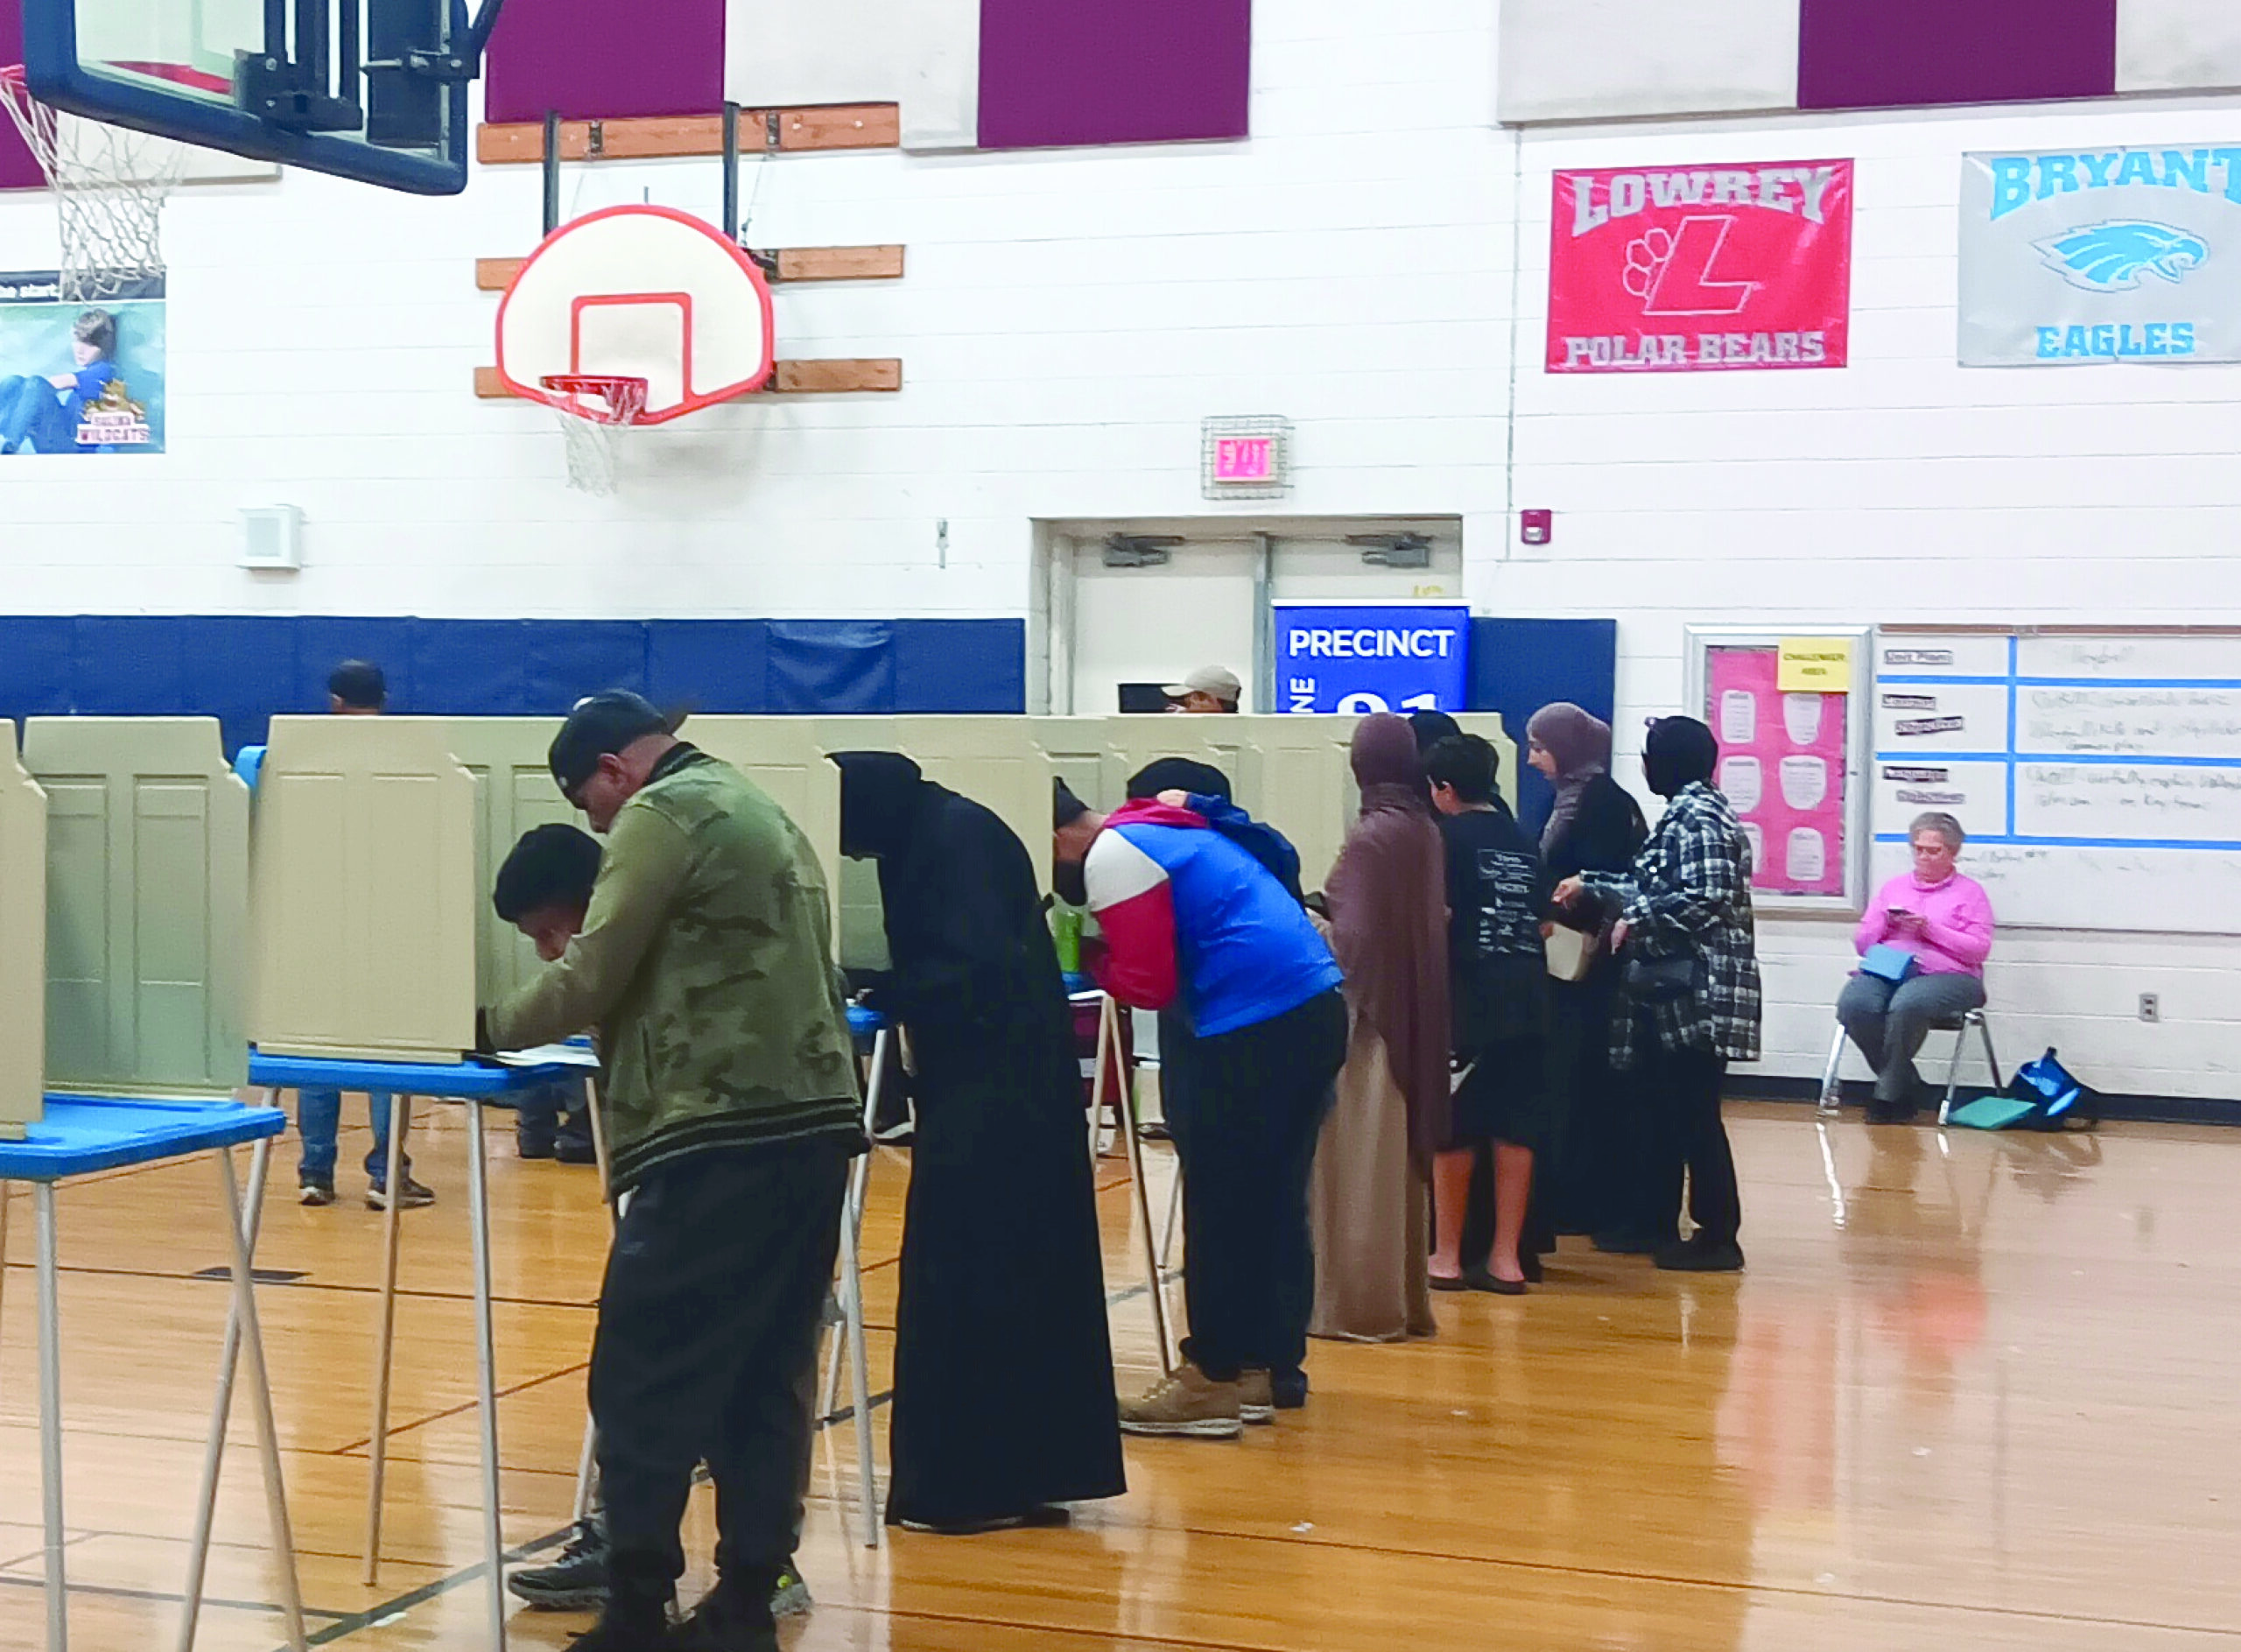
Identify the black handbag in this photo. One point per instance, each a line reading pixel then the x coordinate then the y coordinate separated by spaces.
pixel 1662 981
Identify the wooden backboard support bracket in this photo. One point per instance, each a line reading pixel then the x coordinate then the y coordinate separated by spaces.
pixel 798 130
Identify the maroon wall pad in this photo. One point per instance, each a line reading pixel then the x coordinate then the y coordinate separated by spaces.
pixel 605 59
pixel 17 169
pixel 1057 72
pixel 1905 53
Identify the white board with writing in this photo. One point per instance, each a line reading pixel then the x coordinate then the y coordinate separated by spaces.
pixel 2098 776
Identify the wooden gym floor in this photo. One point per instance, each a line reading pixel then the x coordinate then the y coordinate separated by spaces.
pixel 1977 1395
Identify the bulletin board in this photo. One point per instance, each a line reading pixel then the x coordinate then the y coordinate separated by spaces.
pixel 2096 773
pixel 1786 706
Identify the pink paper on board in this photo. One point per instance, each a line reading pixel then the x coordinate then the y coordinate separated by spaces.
pixel 1245 459
pixel 1784 815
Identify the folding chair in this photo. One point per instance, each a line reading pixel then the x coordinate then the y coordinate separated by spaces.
pixel 1959 1026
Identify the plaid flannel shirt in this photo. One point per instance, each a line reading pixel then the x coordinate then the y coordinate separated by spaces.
pixel 1690 889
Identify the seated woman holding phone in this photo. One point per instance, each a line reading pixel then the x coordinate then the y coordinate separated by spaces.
pixel 1922 948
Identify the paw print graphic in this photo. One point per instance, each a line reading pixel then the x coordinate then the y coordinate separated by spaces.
pixel 1645 260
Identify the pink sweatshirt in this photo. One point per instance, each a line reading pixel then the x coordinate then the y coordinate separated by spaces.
pixel 1959 938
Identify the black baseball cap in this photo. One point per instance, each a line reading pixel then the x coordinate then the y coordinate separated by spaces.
pixel 599 725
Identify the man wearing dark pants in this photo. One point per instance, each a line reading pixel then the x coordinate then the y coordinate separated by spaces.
pixel 1191 915
pixel 705 963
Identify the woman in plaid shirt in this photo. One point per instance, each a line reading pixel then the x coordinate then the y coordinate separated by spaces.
pixel 1689 1002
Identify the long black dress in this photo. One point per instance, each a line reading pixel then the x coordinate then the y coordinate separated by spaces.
pixel 1003 1365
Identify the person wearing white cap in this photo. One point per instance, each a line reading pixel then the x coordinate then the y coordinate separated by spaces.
pixel 1211 688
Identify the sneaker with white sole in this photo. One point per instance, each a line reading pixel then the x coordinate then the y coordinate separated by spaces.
pixel 315 1194
pixel 1256 1398
pixel 1188 1405
pixel 576 1582
pixel 414 1196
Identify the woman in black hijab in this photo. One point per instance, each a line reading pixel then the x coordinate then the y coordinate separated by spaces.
pixel 1004 1402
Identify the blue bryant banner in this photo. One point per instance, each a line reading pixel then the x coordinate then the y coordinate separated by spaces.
pixel 1362 658
pixel 2080 256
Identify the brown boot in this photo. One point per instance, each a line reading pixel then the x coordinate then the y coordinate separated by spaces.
pixel 1189 1405
pixel 1257 1398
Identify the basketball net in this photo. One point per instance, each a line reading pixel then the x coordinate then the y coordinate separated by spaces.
pixel 593 414
pixel 109 187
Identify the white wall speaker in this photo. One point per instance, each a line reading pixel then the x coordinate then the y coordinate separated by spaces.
pixel 273 537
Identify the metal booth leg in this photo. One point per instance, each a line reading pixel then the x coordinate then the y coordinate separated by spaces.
pixel 860 1177
pixel 50 1421
pixel 588 1459
pixel 1108 1037
pixel 206 1509
pixel 853 1276
pixel 1992 1059
pixel 260 1382
pixel 478 1203
pixel 385 1338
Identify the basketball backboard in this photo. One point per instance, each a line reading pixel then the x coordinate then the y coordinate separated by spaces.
pixel 374 90
pixel 638 293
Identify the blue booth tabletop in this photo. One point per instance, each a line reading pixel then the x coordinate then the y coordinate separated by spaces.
pixel 80 1134
pixel 865 1024
pixel 464 1081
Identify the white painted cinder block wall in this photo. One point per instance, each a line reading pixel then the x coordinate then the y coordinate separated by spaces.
pixel 1360 266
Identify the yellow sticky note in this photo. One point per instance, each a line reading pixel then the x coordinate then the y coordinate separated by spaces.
pixel 1815 665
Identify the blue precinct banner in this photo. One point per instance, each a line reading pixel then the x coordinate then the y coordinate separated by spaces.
pixel 1367 657
pixel 2082 258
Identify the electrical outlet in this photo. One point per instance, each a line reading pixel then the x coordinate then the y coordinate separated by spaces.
pixel 2151 1007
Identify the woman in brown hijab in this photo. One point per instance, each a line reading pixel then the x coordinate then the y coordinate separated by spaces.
pixel 1371 1201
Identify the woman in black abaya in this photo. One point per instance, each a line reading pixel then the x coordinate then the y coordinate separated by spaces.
pixel 1004 1402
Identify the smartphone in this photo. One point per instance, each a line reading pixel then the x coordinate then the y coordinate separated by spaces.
pixel 1896 911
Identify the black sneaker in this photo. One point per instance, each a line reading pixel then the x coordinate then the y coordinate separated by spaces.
pixel 315 1193
pixel 1289 1389
pixel 576 1582
pixel 1702 1255
pixel 730 1619
pixel 532 1147
pixel 789 1596
pixel 638 1629
pixel 569 1151
pixel 415 1196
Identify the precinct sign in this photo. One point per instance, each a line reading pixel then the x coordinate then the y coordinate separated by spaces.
pixel 1701 269
pixel 1363 658
pixel 2082 258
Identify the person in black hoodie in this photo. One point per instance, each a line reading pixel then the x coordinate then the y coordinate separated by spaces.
pixel 1596 826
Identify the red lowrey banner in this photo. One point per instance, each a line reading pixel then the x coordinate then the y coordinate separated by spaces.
pixel 1702 269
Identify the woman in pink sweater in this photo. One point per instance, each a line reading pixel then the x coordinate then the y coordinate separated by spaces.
pixel 1945 920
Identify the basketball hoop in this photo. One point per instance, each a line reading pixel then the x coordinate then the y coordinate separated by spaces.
pixel 594 413
pixel 109 187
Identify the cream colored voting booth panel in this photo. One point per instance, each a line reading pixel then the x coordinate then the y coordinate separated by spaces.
pixel 995 762
pixel 783 757
pixel 1294 772
pixel 514 791
pixel 364 897
pixel 147 908
pixel 22 946
pixel 1488 726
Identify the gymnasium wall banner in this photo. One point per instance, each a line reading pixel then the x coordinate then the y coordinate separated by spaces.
pixel 1701 269
pixel 1362 658
pixel 80 379
pixel 2081 258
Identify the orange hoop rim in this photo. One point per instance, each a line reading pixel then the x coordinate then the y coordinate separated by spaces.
pixel 600 400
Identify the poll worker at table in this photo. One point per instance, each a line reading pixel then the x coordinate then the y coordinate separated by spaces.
pixel 1004 1408
pixel 1210 689
pixel 1190 913
pixel 732 1113
pixel 1940 919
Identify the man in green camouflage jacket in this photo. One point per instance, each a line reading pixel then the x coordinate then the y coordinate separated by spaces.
pixel 731 1109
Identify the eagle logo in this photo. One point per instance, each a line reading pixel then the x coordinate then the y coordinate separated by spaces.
pixel 2114 256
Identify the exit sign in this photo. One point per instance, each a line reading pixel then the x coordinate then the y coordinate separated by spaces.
pixel 1246 458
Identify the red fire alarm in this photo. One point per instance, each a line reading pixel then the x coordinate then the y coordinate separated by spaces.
pixel 1536 527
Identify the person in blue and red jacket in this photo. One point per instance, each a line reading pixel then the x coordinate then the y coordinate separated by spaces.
pixel 1193 916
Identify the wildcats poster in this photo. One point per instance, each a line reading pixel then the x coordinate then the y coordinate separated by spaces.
pixel 1702 269
pixel 2078 257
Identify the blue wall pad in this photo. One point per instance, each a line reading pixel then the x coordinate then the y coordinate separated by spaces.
pixel 1518 666
pixel 243 670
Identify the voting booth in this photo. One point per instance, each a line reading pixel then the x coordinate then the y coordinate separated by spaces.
pixel 22 946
